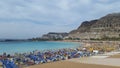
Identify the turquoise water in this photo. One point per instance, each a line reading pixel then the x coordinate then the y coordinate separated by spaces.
pixel 21 47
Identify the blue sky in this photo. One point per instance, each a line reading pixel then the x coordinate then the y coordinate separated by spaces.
pixel 32 18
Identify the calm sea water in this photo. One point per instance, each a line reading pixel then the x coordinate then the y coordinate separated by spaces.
pixel 21 47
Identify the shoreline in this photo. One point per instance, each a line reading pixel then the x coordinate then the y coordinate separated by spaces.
pixel 65 54
pixel 77 44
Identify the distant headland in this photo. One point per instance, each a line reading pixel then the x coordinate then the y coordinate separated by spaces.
pixel 105 28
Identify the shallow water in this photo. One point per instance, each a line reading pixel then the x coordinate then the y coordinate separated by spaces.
pixel 21 47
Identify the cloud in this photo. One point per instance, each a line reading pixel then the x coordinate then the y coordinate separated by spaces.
pixel 49 15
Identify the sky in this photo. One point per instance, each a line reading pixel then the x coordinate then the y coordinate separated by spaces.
pixel 22 19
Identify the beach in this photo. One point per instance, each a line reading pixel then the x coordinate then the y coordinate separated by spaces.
pixel 91 54
pixel 60 34
pixel 67 64
pixel 102 61
pixel 106 60
pixel 115 56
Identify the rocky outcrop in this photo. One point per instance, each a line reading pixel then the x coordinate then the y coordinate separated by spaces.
pixel 107 26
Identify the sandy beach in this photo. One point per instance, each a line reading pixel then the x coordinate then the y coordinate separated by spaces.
pixel 100 61
pixel 68 64
pixel 115 56
pixel 95 55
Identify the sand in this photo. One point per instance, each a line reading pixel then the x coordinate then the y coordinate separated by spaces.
pixel 115 56
pixel 68 64
pixel 108 60
pixel 98 61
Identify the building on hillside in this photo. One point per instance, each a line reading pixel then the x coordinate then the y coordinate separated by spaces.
pixel 53 35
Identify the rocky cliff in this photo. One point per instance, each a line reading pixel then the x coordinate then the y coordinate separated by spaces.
pixel 107 26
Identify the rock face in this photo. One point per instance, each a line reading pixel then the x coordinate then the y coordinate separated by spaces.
pixel 107 26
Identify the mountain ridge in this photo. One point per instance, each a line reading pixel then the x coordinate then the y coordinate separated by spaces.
pixel 108 26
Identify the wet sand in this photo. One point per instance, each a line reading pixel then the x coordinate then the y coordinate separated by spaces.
pixel 68 64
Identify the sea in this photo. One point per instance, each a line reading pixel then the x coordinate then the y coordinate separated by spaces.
pixel 24 47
